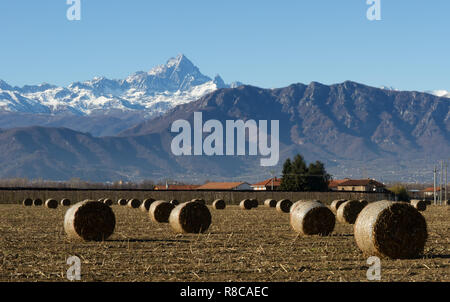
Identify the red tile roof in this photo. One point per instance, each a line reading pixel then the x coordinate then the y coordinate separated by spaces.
pixel 336 182
pixel 220 185
pixel 360 182
pixel 268 182
pixel 438 189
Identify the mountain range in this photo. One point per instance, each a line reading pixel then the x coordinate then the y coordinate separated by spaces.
pixel 356 130
pixel 103 106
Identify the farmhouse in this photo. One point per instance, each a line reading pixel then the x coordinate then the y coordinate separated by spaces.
pixel 333 184
pixel 361 185
pixel 429 192
pixel 226 186
pixel 271 184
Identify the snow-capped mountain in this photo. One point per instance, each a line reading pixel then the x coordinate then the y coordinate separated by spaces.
pixel 440 93
pixel 177 82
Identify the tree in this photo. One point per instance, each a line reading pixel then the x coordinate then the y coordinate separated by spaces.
pixel 287 182
pixel 317 177
pixel 400 192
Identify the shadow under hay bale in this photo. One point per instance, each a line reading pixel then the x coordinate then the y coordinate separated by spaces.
pixel 271 203
pixel 219 204
pixel 190 217
pixel 246 204
pixel 37 202
pixel 51 203
pixel 420 205
pixel 28 202
pixel 134 203
pixel 90 221
pixel 122 202
pixel 312 218
pixel 160 211
pixel 349 211
pixel 145 206
pixel 65 202
pixel 391 229
pixel 284 206
pixel 336 204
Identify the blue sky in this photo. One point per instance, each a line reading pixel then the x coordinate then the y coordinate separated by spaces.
pixel 259 42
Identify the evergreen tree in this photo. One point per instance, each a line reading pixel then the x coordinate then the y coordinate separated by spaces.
pixel 318 178
pixel 287 179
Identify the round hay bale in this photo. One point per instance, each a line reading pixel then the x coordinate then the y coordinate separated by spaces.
pixel 312 218
pixel 51 203
pixel 160 211
pixel 108 202
pixel 246 204
pixel 349 211
pixel 420 205
pixel 254 202
pixel 391 229
pixel 447 202
pixel 122 202
pixel 134 203
pixel 202 201
pixel 101 199
pixel 284 206
pixel 219 204
pixel 271 203
pixel 336 204
pixel 190 217
pixel 145 206
pixel 295 204
pixel 28 202
pixel 37 202
pixel 174 202
pixel 89 220
pixel 65 202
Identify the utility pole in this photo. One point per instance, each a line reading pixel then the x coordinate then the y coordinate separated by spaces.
pixel 442 183
pixel 446 180
pixel 434 186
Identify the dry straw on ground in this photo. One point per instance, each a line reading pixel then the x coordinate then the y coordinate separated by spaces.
pixel 420 205
pixel 160 211
pixel 190 217
pixel 336 204
pixel 51 203
pixel 284 206
pixel 89 220
pixel 271 203
pixel 134 203
pixel 391 229
pixel 28 202
pixel 246 204
pixel 349 211
pixel 219 204
pixel 312 218
pixel 145 206
pixel 122 202
pixel 108 202
pixel 37 202
pixel 65 202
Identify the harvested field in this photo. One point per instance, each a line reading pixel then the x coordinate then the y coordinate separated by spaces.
pixel 257 245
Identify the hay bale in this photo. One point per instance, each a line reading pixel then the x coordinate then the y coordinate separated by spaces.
pixel 219 204
pixel 101 199
pixel 145 206
pixel 284 206
pixel 65 202
pixel 364 202
pixel 122 202
pixel 254 202
pixel 428 201
pixel 37 202
pixel 134 203
pixel 312 218
pixel 202 201
pixel 295 204
pixel 174 202
pixel 271 203
pixel 391 229
pixel 190 217
pixel 89 220
pixel 447 202
pixel 246 204
pixel 28 202
pixel 336 204
pixel 108 202
pixel 349 211
pixel 51 203
pixel 160 211
pixel 420 205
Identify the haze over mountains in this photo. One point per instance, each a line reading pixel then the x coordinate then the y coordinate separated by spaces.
pixel 357 130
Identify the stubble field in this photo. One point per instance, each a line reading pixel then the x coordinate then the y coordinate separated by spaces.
pixel 256 245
